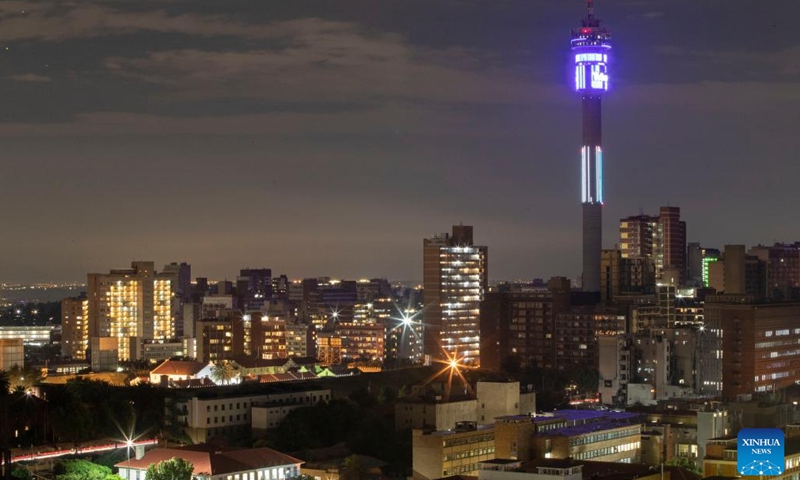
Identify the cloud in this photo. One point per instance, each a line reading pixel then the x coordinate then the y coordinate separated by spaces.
pixel 424 118
pixel 55 22
pixel 323 61
pixel 652 15
pixel 29 77
pixel 784 63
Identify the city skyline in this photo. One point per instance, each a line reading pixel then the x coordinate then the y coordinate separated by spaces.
pixel 327 140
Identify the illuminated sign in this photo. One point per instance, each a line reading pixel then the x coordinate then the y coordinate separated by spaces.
pixel 599 77
pixel 592 76
pixel 591 66
pixel 591 57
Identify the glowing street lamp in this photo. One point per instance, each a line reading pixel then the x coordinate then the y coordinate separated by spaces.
pixel 128 446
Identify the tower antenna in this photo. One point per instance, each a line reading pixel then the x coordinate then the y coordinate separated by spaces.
pixel 590 7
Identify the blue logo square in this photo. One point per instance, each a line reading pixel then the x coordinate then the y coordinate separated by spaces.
pixel 760 452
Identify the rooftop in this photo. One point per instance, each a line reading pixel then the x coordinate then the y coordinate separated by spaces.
pixel 175 367
pixel 214 460
pixel 480 428
pixel 580 422
pixel 608 470
pixel 245 361
pixel 580 416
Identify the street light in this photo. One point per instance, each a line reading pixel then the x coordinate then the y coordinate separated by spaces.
pixel 128 445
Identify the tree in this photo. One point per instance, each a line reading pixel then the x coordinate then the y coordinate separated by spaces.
pixel 512 365
pixel 173 469
pixel 22 473
pixel 684 462
pixel 386 394
pixel 82 470
pixel 24 377
pixel 223 373
pixel 5 452
pixel 354 468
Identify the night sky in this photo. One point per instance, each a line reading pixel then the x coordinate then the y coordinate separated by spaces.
pixel 330 137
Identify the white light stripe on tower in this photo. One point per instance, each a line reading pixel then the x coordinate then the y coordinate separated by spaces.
pixel 585 173
pixel 599 174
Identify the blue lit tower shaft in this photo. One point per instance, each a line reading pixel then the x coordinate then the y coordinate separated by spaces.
pixel 591 47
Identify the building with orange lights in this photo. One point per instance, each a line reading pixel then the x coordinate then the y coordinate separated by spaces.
pixel 132 305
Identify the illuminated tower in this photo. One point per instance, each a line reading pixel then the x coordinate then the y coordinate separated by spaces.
pixel 591 46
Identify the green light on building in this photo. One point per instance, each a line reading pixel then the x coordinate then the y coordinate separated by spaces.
pixel 706 262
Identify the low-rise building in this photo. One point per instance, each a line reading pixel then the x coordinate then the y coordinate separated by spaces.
pixel 12 353
pixel 500 399
pixel 157 351
pixel 434 413
pixel 104 353
pixel 335 468
pixel 174 370
pixel 608 439
pixel 684 431
pixel 30 334
pixel 205 418
pixel 577 434
pixel 212 462
pixel 494 399
pixel 568 469
pixel 451 452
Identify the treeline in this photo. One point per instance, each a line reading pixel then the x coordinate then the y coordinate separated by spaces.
pixel 364 422
pixel 553 386
pixel 83 409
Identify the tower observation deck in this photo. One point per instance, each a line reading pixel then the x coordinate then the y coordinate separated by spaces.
pixel 591 48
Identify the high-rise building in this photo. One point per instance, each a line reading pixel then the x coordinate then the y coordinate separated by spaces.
pixel 362 342
pixel 661 239
pixel 671 252
pixel 324 302
pixel 522 325
pixel 74 327
pixel 280 287
pixel 253 288
pixel 215 339
pixel 697 263
pixel 544 328
pixel 268 337
pixel 636 236
pixel 783 269
pixel 373 289
pixel 738 273
pixel 591 47
pixel 759 341
pixel 455 280
pixel 299 339
pixel 132 305
pixel 624 276
pixel 405 332
pixel 183 292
